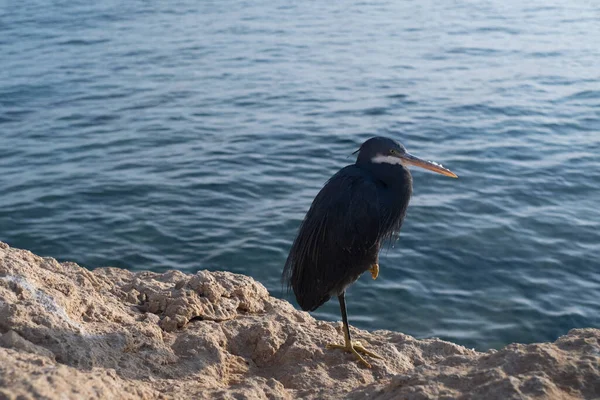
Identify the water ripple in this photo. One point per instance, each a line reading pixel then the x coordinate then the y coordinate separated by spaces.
pixel 195 135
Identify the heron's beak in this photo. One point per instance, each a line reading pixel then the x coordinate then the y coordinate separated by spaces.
pixel 409 159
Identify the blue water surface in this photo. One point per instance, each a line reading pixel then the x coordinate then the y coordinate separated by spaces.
pixel 195 134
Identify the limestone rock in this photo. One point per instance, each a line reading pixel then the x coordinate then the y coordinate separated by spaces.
pixel 71 333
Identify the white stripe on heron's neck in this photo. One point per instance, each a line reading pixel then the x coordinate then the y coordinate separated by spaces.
pixel 381 159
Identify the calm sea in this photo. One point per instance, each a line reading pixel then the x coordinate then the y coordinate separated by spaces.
pixel 195 134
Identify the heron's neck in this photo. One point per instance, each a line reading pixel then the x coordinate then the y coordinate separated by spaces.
pixel 394 176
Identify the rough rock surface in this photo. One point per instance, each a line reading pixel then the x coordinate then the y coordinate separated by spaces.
pixel 70 333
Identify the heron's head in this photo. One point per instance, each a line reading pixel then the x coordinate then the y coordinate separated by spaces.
pixel 381 150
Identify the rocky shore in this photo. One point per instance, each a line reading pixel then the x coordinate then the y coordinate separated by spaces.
pixel 70 333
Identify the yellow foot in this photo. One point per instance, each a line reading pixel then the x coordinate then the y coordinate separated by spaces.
pixel 355 348
pixel 374 271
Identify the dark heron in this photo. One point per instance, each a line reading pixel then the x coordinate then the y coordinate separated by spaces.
pixel 357 210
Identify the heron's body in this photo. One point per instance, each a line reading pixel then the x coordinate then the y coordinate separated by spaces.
pixel 340 237
pixel 354 213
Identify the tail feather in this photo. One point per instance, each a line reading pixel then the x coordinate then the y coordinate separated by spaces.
pixel 299 275
pixel 309 300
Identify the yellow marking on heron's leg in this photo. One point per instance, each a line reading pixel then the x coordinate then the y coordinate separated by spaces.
pixel 354 348
pixel 374 271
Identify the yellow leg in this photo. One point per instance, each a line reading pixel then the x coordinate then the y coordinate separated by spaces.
pixel 355 348
pixel 350 346
pixel 374 271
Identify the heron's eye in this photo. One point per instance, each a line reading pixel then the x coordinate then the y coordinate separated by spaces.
pixel 393 151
